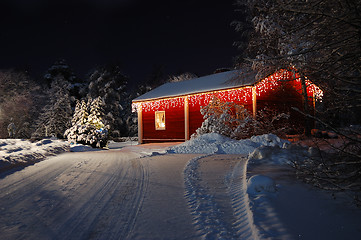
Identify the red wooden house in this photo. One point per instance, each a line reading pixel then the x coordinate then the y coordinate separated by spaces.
pixel 171 112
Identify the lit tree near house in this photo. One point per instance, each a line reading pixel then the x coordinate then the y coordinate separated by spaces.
pixel 109 83
pixel 87 126
pixel 96 113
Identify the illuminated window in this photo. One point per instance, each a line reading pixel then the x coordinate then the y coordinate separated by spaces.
pixel 160 120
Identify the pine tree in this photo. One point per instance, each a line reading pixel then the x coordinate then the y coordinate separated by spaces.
pixel 18 101
pixel 109 83
pixel 96 113
pixel 80 113
pixel 87 126
pixel 62 69
pixel 56 115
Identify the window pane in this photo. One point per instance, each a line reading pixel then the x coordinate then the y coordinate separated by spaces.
pixel 160 120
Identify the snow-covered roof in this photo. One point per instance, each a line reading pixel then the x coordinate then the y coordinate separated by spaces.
pixel 218 81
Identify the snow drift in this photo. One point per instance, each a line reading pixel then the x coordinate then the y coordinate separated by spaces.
pixel 211 143
pixel 15 152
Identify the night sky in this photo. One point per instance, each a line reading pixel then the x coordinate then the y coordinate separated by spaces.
pixel 183 36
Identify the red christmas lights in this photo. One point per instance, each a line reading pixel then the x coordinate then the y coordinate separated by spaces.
pixel 240 95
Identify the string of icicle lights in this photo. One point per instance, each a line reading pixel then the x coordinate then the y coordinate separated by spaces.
pixel 240 95
pixel 276 80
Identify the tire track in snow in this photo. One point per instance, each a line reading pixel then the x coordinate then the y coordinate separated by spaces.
pixel 74 196
pixel 114 208
pixel 207 215
pixel 244 225
pixel 164 213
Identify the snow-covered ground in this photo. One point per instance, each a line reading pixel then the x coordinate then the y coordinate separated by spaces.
pixel 207 188
pixel 20 152
pixel 267 199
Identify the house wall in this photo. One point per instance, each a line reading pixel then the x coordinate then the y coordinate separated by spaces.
pixel 279 92
pixel 282 92
pixel 174 120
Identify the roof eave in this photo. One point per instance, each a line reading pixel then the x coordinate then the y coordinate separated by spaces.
pixel 195 93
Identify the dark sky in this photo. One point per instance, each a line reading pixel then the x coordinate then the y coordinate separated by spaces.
pixel 183 36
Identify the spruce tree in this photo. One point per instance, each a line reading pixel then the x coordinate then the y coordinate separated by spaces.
pixel 56 115
pixel 87 126
pixel 109 83
pixel 96 113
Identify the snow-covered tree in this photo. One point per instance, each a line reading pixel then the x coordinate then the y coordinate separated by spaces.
pixel 56 115
pixel 321 39
pixel 96 113
pixel 60 68
pixel 77 88
pixel 318 38
pixel 17 102
pixel 87 126
pixel 131 119
pixel 109 83
pixel 80 114
pixel 218 117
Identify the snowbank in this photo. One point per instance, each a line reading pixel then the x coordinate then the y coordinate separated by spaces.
pixel 112 145
pixel 211 143
pixel 259 183
pixel 77 147
pixel 267 199
pixel 15 152
pixel 278 156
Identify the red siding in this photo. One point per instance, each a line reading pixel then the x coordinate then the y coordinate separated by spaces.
pixel 174 119
pixel 283 86
pixel 280 91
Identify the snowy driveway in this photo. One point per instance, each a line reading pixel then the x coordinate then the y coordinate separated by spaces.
pixel 74 196
pixel 112 195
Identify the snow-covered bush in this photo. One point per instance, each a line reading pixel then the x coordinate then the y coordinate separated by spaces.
pixel 235 121
pixel 87 126
pixel 223 118
pixel 88 135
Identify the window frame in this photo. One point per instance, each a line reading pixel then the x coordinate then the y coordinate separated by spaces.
pixel 157 117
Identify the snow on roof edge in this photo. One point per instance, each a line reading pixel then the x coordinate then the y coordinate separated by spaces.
pixel 208 83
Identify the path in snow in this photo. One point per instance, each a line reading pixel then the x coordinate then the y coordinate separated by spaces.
pixel 117 195
pixel 93 195
pixel 217 197
pixel 164 214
